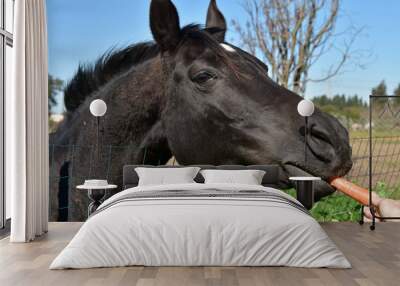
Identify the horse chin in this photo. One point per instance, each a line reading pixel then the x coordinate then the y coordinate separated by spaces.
pixel 321 188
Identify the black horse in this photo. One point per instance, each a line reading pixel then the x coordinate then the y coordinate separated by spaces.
pixel 193 96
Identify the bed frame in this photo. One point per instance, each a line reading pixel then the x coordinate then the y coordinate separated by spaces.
pixel 270 179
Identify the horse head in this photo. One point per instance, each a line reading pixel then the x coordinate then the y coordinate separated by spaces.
pixel 221 107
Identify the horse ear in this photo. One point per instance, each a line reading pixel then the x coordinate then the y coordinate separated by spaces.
pixel 215 19
pixel 164 24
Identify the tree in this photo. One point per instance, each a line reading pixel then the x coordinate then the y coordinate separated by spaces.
pixel 379 104
pixel 396 92
pixel 55 86
pixel 351 114
pixel 292 35
pixel 339 101
pixel 380 89
pixel 348 109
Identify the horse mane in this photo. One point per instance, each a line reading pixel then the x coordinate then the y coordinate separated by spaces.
pixel 90 77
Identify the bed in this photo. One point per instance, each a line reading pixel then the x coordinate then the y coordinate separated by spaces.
pixel 201 224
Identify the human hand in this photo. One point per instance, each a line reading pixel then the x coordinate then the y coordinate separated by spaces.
pixel 385 208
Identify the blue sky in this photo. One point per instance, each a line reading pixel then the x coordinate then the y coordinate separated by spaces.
pixel 81 30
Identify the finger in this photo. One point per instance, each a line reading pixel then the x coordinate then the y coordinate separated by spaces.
pixel 367 213
pixel 376 199
pixel 390 208
pixel 367 219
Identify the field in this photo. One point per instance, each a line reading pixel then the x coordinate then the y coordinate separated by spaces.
pixel 339 207
pixel 385 162
pixel 385 179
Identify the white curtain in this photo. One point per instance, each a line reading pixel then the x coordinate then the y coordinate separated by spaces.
pixel 27 124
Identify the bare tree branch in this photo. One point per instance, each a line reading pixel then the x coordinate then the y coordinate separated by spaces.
pixel 293 35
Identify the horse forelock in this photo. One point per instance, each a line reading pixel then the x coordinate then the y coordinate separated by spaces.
pixel 205 36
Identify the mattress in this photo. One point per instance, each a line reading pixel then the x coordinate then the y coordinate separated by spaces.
pixel 201 225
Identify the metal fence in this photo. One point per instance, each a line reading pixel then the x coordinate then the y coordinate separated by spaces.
pixel 70 165
pixel 76 167
pixel 386 161
pixel 386 158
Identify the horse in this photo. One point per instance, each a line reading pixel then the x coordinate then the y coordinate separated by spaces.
pixel 193 96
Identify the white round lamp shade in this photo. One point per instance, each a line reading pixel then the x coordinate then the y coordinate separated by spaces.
pixel 98 107
pixel 305 108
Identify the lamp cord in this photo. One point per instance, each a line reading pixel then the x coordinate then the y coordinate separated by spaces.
pixel 98 147
pixel 305 140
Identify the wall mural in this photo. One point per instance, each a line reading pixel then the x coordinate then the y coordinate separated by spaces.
pixel 192 96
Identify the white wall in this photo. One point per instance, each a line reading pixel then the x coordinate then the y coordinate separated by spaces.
pixel 9 27
pixel 8 85
pixel 9 9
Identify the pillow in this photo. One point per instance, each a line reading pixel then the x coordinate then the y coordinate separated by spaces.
pixel 166 176
pixel 247 177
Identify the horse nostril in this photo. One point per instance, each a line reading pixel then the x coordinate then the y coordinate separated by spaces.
pixel 320 135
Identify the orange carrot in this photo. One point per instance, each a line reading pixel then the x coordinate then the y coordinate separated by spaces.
pixel 358 193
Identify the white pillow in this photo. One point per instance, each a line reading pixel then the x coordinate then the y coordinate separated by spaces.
pixel 166 176
pixel 247 177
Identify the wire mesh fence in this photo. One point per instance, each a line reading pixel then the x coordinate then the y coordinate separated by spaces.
pixel 384 129
pixel 71 165
pixel 386 165
pixel 386 161
pixel 75 168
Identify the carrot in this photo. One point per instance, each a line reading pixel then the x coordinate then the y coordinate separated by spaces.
pixel 357 193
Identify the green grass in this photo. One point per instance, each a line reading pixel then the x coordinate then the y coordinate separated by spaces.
pixel 385 192
pixel 338 207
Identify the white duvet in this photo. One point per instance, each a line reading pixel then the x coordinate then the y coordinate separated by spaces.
pixel 200 231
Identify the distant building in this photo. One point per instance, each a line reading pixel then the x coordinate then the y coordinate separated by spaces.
pixel 356 126
pixel 54 122
pixel 366 126
pixel 57 118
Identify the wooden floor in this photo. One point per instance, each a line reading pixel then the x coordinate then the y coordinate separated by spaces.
pixel 375 257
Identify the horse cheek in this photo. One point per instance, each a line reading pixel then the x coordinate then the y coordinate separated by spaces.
pixel 177 78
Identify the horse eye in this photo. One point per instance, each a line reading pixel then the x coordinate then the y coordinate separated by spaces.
pixel 203 77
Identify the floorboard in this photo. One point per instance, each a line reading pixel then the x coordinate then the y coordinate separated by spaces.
pixel 375 257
